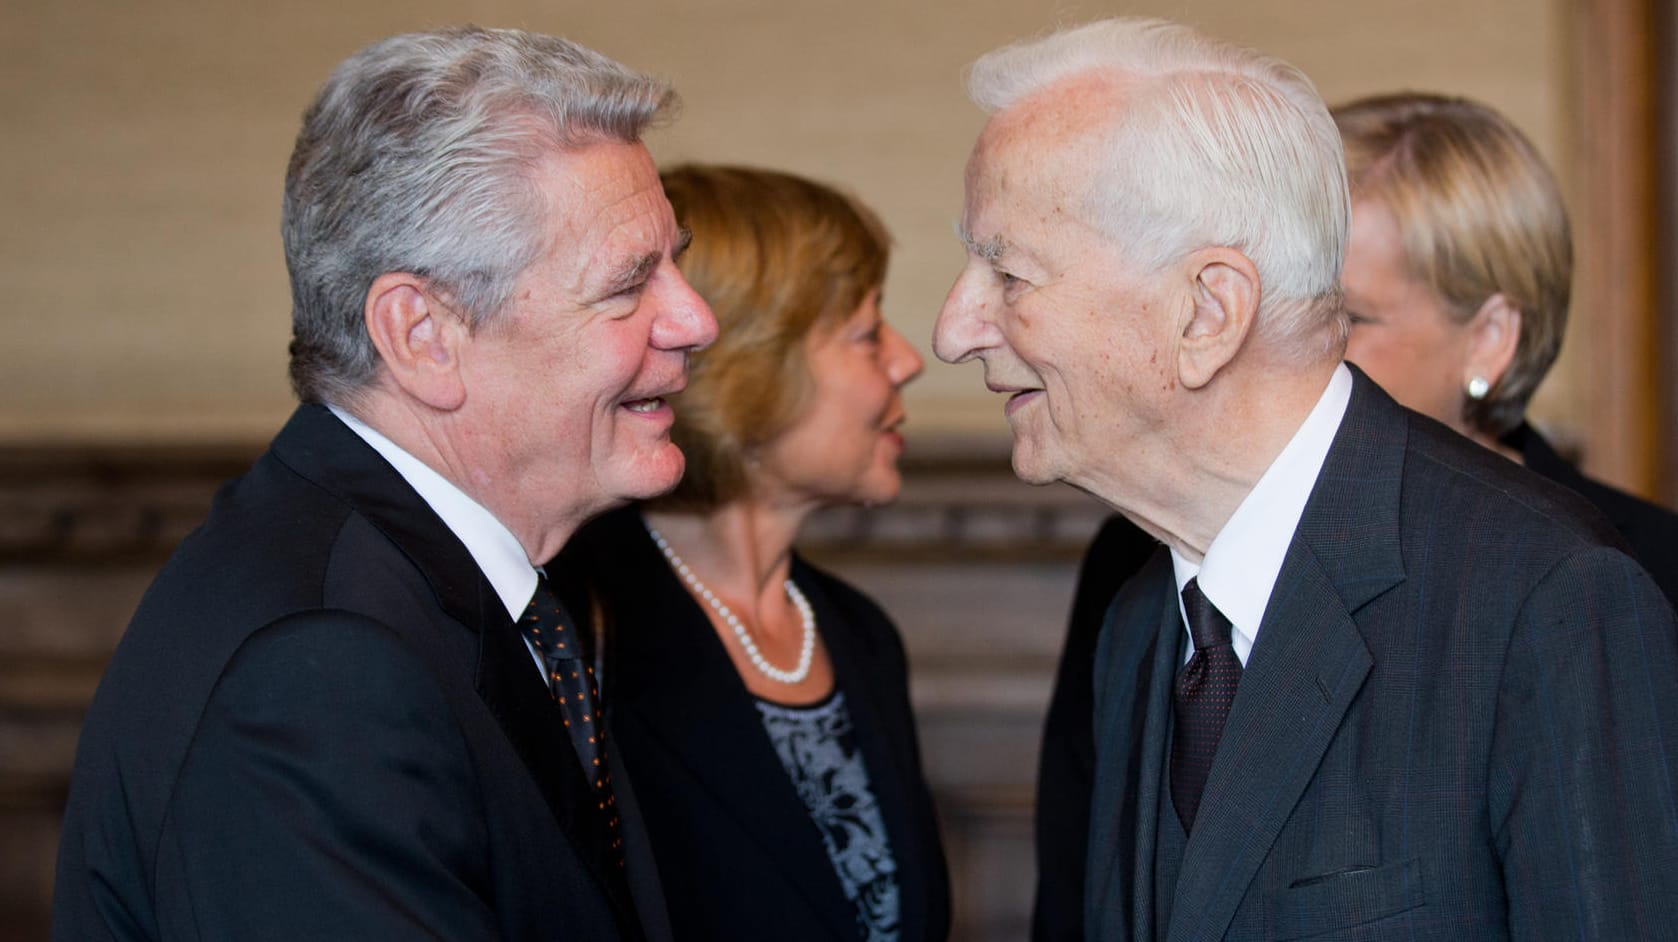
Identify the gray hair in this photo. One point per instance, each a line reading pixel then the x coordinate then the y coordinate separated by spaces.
pixel 417 156
pixel 1220 145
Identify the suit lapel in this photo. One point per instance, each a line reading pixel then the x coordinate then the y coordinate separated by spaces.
pixel 1135 663
pixel 1305 670
pixel 507 680
pixel 510 685
pixel 1286 711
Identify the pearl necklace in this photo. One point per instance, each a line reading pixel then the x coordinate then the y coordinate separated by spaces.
pixel 806 651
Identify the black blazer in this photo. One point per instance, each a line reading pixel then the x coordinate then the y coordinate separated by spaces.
pixel 322 724
pixel 739 858
pixel 1067 764
pixel 1459 721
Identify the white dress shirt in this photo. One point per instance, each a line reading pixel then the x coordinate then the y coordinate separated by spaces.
pixel 1239 570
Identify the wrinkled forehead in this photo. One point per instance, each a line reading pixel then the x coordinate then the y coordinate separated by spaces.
pixel 591 178
pixel 602 187
pixel 1047 149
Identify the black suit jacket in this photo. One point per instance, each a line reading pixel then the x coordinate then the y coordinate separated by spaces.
pixel 739 858
pixel 322 723
pixel 1459 720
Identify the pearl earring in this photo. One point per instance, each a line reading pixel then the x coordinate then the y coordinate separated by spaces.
pixel 1478 387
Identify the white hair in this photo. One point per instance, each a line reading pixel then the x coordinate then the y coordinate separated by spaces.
pixel 1217 145
pixel 417 156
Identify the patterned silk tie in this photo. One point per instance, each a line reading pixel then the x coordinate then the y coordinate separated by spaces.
pixel 548 627
pixel 1204 691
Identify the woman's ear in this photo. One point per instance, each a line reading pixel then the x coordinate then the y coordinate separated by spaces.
pixel 1226 290
pixel 1494 337
pixel 418 337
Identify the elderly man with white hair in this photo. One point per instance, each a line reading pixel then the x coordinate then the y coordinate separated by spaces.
pixel 1378 682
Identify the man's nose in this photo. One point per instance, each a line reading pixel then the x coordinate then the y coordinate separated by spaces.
pixel 964 326
pixel 686 321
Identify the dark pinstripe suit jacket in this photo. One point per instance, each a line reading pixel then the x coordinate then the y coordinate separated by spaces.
pixel 1460 721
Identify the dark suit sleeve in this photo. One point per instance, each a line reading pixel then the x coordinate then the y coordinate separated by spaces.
pixel 326 795
pixel 1066 765
pixel 1585 754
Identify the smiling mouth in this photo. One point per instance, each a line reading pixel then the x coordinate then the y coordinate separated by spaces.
pixel 1018 399
pixel 644 405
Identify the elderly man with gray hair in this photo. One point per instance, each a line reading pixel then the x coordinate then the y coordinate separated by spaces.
pixel 1378 682
pixel 351 706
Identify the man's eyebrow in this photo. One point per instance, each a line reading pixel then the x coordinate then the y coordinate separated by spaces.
pixel 631 273
pixel 991 249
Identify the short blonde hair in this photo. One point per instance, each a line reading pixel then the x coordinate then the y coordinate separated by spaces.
pixel 1479 214
pixel 778 258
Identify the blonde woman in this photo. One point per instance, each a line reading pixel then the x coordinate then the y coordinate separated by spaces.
pixel 1457 278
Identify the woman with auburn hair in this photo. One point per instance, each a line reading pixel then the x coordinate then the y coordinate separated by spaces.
pixel 759 704
pixel 1457 278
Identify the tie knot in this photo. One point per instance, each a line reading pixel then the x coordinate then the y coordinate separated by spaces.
pixel 1207 626
pixel 543 603
pixel 546 623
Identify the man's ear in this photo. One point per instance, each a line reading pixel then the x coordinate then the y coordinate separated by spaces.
pixel 1226 289
pixel 1494 336
pixel 418 337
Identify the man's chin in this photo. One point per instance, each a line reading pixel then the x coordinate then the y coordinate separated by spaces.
pixel 1031 466
pixel 649 475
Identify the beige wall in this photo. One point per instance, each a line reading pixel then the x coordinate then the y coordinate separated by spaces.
pixel 144 146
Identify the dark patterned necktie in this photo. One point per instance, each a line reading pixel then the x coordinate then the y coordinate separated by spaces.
pixel 1204 691
pixel 550 631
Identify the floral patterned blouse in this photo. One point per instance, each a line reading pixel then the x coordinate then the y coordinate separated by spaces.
pixel 818 748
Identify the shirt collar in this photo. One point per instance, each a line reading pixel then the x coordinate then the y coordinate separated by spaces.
pixel 493 547
pixel 1240 568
